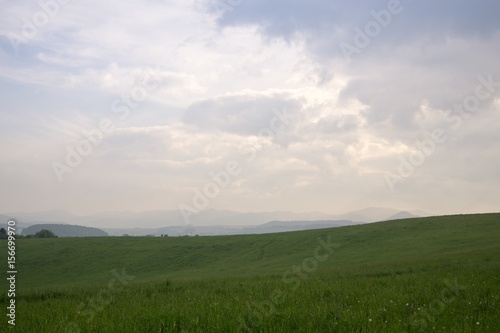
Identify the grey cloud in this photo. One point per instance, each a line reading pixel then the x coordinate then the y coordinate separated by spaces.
pixel 444 18
pixel 246 114
pixel 432 51
pixel 351 121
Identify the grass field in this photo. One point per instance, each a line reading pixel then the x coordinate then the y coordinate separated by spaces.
pixel 439 274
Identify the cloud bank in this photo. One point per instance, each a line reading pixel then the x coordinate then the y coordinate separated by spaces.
pixel 325 105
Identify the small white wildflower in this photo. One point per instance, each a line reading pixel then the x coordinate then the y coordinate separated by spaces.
pixel 477 323
pixel 369 320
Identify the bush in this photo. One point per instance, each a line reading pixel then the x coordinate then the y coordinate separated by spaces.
pixel 44 233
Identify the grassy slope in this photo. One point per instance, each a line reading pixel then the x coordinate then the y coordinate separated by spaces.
pixel 56 262
pixel 384 277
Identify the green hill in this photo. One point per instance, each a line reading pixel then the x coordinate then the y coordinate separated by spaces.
pixel 415 275
pixel 65 230
pixel 55 262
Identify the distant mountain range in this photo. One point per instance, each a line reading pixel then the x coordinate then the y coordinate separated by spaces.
pixel 270 227
pixel 402 215
pixel 209 222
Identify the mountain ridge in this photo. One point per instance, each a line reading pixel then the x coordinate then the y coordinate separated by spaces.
pixel 156 219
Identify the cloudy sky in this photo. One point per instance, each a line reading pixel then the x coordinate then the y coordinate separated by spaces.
pixel 321 105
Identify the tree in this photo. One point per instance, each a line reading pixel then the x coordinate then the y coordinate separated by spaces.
pixel 44 233
pixel 3 233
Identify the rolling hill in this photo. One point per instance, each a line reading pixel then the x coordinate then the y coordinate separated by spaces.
pixel 412 275
pixel 65 230
pixel 52 262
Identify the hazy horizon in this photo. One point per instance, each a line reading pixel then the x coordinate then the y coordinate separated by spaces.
pixel 339 212
pixel 324 106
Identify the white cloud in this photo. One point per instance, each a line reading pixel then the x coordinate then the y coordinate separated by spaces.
pixel 221 79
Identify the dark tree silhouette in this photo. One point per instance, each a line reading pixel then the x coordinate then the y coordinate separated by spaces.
pixel 44 233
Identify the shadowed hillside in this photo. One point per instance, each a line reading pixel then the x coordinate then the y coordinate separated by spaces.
pixel 65 230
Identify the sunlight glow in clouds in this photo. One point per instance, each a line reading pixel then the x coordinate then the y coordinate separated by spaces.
pixel 219 76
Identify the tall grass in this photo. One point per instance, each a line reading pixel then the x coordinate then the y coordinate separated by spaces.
pixel 421 275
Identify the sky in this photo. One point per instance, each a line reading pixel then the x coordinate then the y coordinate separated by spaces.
pixel 320 105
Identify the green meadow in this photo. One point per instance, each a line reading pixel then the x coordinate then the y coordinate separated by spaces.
pixel 437 274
